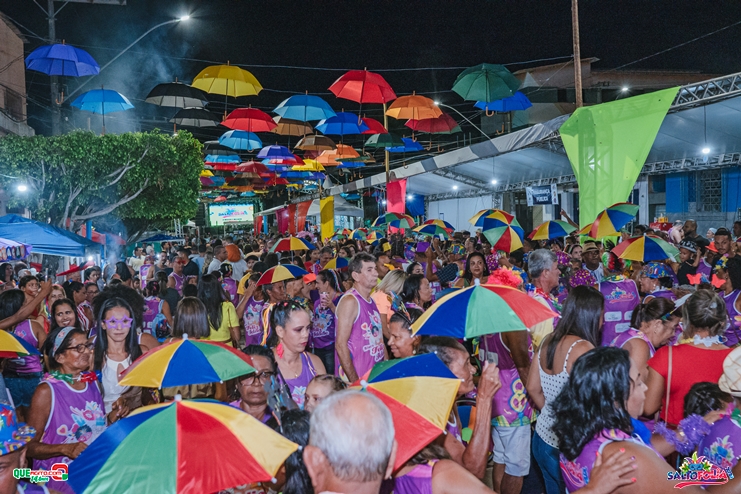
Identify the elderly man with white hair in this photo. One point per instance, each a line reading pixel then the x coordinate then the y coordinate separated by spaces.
pixel 351 444
pixel 543 270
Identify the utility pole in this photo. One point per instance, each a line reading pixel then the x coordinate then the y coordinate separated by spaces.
pixel 54 94
pixel 577 53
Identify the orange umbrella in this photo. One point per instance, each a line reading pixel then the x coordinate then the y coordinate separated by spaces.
pixel 332 157
pixel 413 107
pixel 288 127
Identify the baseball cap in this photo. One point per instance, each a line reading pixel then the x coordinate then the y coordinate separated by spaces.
pixel 309 278
pixel 689 245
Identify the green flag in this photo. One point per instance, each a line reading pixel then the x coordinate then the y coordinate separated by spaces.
pixel 607 145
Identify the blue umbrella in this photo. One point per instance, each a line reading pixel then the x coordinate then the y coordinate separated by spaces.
pixel 275 152
pixel 102 101
pixel 304 107
pixel 341 124
pixel 516 102
pixel 62 60
pixel 218 158
pixel 410 146
pixel 351 164
pixel 240 139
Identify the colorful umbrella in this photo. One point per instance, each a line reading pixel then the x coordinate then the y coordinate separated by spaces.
pixel 498 219
pixel 102 101
pixel 434 230
pixel 338 263
pixel 343 123
pixel 504 238
pixel 611 220
pixel 517 102
pixel 413 107
pixel 374 237
pixel 358 234
pixel 332 157
pixel 240 139
pixel 288 127
pixel 227 158
pixel 478 218
pixel 480 310
pixel 551 229
pixel 309 166
pixel 12 346
pixel 645 248
pixel 383 141
pixel 281 272
pixel 444 124
pixel 440 223
pixel 396 220
pixel 363 86
pixel 176 95
pixel 185 362
pixel 63 60
pixel 419 416
pixel 195 117
pixel 410 146
pixel 374 126
pixel 11 250
pixel 275 152
pixel 316 143
pixel 304 107
pixel 291 243
pixel 191 447
pixel 486 82
pixel 249 119
pixel 227 80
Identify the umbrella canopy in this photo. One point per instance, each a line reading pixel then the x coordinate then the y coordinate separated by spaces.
pixel 383 141
pixel 185 440
pixel 551 229
pixel 177 95
pixel 374 237
pixel 291 243
pixel 227 80
pixel 444 124
pixel 276 152
pixel 304 107
pixel 10 250
pixel 645 248
pixel 309 166
pixel 410 146
pixel 195 117
pixel 61 59
pixel 338 263
pixel 11 346
pixel 611 220
pixel 184 362
pixel 214 148
pixel 363 86
pixel 102 101
pixel 397 220
pixel 249 119
pixel 374 126
pixel 504 238
pixel 418 417
pixel 240 139
pixel 516 102
pixel 281 272
pixel 413 107
pixel 486 82
pixel 222 158
pixel 288 127
pixel 432 230
pixel 343 123
pixel 315 143
pixel 440 223
pixel 254 167
pixel 478 218
pixel 358 234
pixel 480 310
pixel 332 157
pixel 498 219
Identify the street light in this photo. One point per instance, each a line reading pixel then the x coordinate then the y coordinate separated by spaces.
pixel 494 182
pixel 22 188
pixel 464 117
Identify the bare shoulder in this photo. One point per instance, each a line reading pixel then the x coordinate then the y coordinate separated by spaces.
pixel 318 364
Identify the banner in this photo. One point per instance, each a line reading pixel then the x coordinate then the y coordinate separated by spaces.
pixel 541 194
pixel 258 224
pixel 282 218
pixel 326 206
pixel 608 144
pixel 396 194
pixel 301 211
pixel 292 219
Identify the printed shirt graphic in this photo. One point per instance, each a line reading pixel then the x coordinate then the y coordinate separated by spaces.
pixel 252 326
pixel 722 446
pixel 366 339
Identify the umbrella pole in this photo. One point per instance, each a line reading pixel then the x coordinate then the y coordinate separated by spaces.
pixel 386 151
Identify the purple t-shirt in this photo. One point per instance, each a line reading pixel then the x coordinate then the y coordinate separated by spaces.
pixel 323 325
pixel 25 365
pixel 734 318
pixel 252 322
pixel 366 338
pixel 621 297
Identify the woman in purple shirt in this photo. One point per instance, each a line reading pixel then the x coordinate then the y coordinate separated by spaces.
pixel 323 320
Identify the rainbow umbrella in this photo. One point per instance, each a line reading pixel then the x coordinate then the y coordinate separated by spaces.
pixel 374 237
pixel 440 223
pixel 11 346
pixel 478 218
pixel 480 310
pixel 551 229
pixel 337 263
pixel 499 219
pixel 611 220
pixel 505 238
pixel 404 386
pixel 358 234
pixel 180 447
pixel 291 243
pixel 432 230
pixel 397 220
pixel 184 362
pixel 645 248
pixel 281 272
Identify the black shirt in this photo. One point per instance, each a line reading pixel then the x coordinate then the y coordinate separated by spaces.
pixel 190 269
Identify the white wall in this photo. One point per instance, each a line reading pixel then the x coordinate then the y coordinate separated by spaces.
pixel 457 212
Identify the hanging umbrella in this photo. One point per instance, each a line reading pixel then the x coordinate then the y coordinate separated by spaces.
pixel 551 229
pixel 227 80
pixel 61 59
pixel 291 243
pixel 343 123
pixel 441 223
pixel 410 146
pixel 516 102
pixel 444 124
pixel 480 310
pixel 254 167
pixel 214 148
pixel 275 151
pixel 645 248
pixel 413 107
pixel 223 158
pixel 383 141
pixel 338 263
pixel 486 82
pixel 611 220
pixel 11 250
pixel 281 272
pixel 333 156
pixel 12 346
pixel 309 166
pixel 315 143
pixel 374 126
pixel 240 139
pixel 102 101
pixel 434 230
pixel 403 386
pixel 185 362
pixel 304 107
pixel 249 119
pixel 504 238
pixel 185 440
pixel 288 127
pixel 195 117
pixel 177 95
pixel 363 86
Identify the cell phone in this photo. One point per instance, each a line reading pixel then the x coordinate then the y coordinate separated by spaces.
pixel 491 357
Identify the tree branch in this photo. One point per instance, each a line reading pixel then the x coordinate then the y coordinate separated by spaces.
pixel 112 207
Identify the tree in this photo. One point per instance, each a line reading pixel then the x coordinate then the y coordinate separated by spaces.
pixel 80 176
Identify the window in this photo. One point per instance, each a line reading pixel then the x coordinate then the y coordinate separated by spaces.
pixel 709 190
pixel 14 104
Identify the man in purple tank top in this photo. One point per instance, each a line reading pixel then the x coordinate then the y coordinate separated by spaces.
pixel 621 297
pixel 359 343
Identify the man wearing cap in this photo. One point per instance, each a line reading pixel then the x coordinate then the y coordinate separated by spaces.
pixel 689 261
pixel 14 437
pixel 591 256
pixel 654 279
pixel 621 297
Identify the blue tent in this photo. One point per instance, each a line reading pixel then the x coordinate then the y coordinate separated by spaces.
pixel 45 238
pixel 162 237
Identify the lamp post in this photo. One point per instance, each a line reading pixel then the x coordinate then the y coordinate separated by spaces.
pixel 464 118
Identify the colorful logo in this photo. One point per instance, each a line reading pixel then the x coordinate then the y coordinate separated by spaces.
pixel 58 472
pixel 697 470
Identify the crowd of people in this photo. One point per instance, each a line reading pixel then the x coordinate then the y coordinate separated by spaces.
pixel 639 368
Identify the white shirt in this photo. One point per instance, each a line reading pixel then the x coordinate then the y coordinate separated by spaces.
pixel 598 273
pixel 214 266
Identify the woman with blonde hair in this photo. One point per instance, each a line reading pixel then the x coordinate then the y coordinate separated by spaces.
pixel 391 284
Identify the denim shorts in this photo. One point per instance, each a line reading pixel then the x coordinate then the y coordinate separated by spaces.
pixel 22 386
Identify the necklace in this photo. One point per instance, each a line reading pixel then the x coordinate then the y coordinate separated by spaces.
pixel 85 377
pixel 706 341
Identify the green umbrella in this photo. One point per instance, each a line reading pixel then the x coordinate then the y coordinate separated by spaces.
pixel 486 82
pixel 383 141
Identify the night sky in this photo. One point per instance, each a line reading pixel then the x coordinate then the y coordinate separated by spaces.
pixel 379 35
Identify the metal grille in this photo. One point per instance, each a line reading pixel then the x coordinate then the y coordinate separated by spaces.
pixel 709 191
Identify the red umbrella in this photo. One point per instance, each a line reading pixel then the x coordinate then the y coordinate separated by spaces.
pixel 363 86
pixel 224 167
pixel 249 119
pixel 444 124
pixel 374 126
pixel 254 167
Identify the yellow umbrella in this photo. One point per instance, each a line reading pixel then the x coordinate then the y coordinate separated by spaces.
pixel 413 107
pixel 227 80
pixel 11 347
pixel 206 173
pixel 309 166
